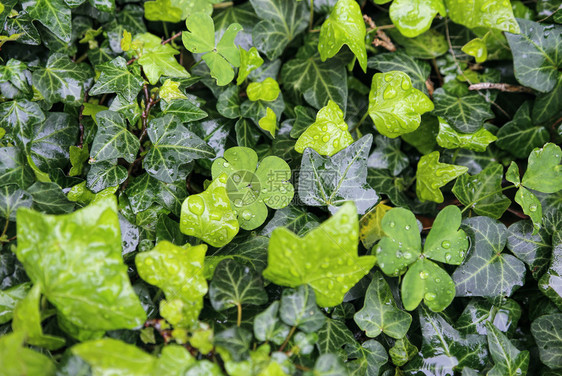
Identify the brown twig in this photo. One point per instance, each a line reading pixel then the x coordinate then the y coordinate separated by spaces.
pixel 430 87
pixel 382 39
pixel 439 77
pixel 171 38
pixel 501 87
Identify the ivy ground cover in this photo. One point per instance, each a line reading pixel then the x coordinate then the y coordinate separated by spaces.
pixel 280 187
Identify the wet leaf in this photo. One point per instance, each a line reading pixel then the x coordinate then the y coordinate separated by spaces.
pixel 432 174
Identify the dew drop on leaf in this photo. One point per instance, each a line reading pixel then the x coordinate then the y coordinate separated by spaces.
pixel 446 244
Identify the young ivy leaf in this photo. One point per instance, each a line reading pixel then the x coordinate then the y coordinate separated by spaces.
pixel 209 216
pixel 298 308
pixel 531 206
pixel 477 49
pixel 432 174
pixel 544 171
pixel 483 13
pixel 178 271
pixel 18 359
pixel 380 313
pixel 328 134
pixel 170 91
pixel 446 242
pixel 249 61
pixel 395 105
pixel 252 187
pixel 344 25
pixel 116 78
pixel 508 360
pixel 200 38
pixel 450 138
pixel 267 90
pixel 325 258
pixel 414 17
pixel 269 122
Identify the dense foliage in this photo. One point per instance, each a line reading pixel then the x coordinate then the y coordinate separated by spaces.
pixel 280 187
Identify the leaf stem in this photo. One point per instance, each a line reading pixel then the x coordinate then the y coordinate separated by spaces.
pixel 239 318
pixel 223 5
pixel 358 124
pixel 5 228
pixel 171 38
pixel 311 19
pixel 293 329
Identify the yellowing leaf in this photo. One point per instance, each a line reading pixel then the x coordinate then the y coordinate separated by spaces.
pixel 370 227
pixel 267 90
pixel 269 122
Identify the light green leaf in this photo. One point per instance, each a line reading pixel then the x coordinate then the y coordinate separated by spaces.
pixel 464 112
pixel 445 242
pixel 426 281
pixel 9 298
pixel 19 360
pixel 163 10
pixel 380 313
pixel 544 171
pixel 488 272
pixel 331 247
pixel 172 147
pixel 531 206
pixel 178 271
pixel 483 192
pixel 449 138
pixel 249 61
pixel 158 59
pixel 209 216
pixel 536 61
pixel 269 122
pixel 170 91
pixel 417 70
pixel 547 331
pixel 328 134
pixel 53 14
pixel 84 290
pixel 402 352
pixel 414 17
pixel 477 49
pixel 432 174
pixel 518 136
pixel 428 45
pixel 267 90
pixel 344 25
pixel 113 140
pixel 331 181
pixel 508 360
pixel 298 308
pixel 394 105
pixel 484 13
pixel 116 78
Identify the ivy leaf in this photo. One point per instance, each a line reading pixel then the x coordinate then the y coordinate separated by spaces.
pixel 20 360
pixel 380 313
pixel 14 168
pixel 370 230
pixel 548 105
pixel 333 336
pixel 269 122
pixel 9 298
pixel 551 281
pixel 432 174
pixel 483 192
pixel 172 147
pixel 508 359
pixel 331 181
pixel 476 48
pixel 332 246
pixel 544 172
pixel 103 175
pixel 49 198
pixel 370 356
pixel 113 140
pixel 228 103
pixel 387 155
pixel 413 18
pixel 267 90
pixel 235 285
pixel 344 25
pixel 158 59
pixel 281 21
pixel 466 112
pixel 536 63
pixel 209 216
pixel 531 206
pixel 298 308
pixel 445 242
pixel 249 61
pixel 69 268
pixel 163 10
pixel 62 80
pixel 201 39
pixel 519 136
pixel 533 249
pixel 487 271
pixel 428 45
pixel 482 13
pixel 547 331
pixel 53 14
pixel 417 70
pixel 184 109
pixel 478 141
pixel 247 135
pixel 18 116
pixel 328 134
pixel 402 352
pixel 268 327
pixel 116 78
pixel 178 272
pixel 394 105
pixel 11 199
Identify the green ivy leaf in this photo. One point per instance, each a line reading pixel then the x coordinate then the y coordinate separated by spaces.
pixel 228 103
pixel 432 174
pixel 547 331
pixel 20 360
pixel 281 21
pixel 172 147
pixel 53 14
pixel 428 45
pixel 18 116
pixel 551 281
pixel 487 271
pixel 179 273
pixel 298 308
pixel 328 134
pixel 536 63
pixel 530 246
pixel 544 171
pixel 387 155
pixel 394 105
pixel 163 10
pixel 370 357
pixel 402 352
pixel 344 25
pixel 531 206
pixel 548 105
pixel 417 70
pixel 519 136
pixel 9 298
pixel 158 59
pixel 477 49
pixel 116 78
pixel 11 199
pixel 103 175
pixel 113 140
pixel 49 198
pixel 413 18
pixel 201 39
pixel 483 192
pixel 269 327
pixel 269 122
pixel 62 80
pixel 331 181
pixel 184 109
pixel 54 262
pixel 508 360
pixel 483 13
pixel 209 216
pixel 464 112
pixel 449 138
pixel 14 168
pixel 333 336
pixel 380 313
pixel 294 257
pixel 249 61
pixel 267 90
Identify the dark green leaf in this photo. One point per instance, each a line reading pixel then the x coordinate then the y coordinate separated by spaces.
pixel 116 78
pixel 113 140
pixel 298 308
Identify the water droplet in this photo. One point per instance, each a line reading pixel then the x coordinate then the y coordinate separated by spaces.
pixel 437 280
pixel 392 224
pixel 226 164
pixel 238 202
pixel 247 215
pixel 339 279
pixel 389 93
pixel 446 244
pixel 196 205
pixel 533 208
pixel 448 256
pixel 407 255
pixel 461 254
pixel 379 250
pixel 236 178
pixel 324 128
pixel 407 227
pixel 326 138
pixel 398 254
pixel 406 84
pixel 316 137
pixel 336 143
pixel 424 274
pixel 429 296
pixel 388 77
